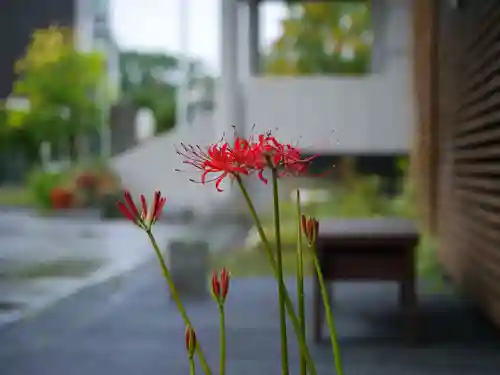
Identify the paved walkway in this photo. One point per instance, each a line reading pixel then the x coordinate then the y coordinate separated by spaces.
pixel 132 328
pixel 45 259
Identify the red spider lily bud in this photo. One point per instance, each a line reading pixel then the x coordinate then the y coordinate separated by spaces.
pixel 147 217
pixel 310 227
pixel 144 205
pixel 219 285
pixel 190 337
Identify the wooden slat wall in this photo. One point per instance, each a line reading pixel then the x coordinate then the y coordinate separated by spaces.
pixel 468 204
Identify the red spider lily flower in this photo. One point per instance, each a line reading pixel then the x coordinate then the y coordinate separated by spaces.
pixel 219 285
pixel 310 227
pixel 146 218
pixel 244 157
pixel 270 153
pixel 190 338
pixel 220 159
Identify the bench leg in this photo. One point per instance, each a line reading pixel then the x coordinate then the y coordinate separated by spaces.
pixel 408 303
pixel 317 312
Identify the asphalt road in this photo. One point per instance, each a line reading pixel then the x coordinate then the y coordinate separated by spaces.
pixel 129 326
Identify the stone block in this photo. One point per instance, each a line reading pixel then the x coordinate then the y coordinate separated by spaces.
pixel 189 264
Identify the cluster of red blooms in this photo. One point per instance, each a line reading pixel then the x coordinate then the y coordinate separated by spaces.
pixel 244 157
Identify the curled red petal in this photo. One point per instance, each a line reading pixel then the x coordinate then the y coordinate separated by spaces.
pixel 204 176
pixel 131 205
pixel 159 207
pixel 156 201
pixel 219 181
pixel 304 224
pixel 125 211
pixel 261 176
pixel 316 229
pixel 144 204
pixel 215 285
pixel 310 229
pixel 224 282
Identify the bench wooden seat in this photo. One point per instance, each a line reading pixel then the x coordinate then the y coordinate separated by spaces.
pixel 369 249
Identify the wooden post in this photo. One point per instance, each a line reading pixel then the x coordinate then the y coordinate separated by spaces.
pixel 425 78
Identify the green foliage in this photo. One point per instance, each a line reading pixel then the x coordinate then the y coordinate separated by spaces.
pixel 254 263
pixel 60 83
pixel 4 128
pixel 40 184
pixel 405 204
pixel 15 196
pixel 316 34
pixel 362 198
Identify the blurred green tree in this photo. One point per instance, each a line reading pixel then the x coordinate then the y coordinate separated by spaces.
pixel 60 84
pixel 151 79
pixel 323 38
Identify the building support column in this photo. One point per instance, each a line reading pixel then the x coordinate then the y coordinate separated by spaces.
pixel 254 36
pixel 229 87
pixel 228 103
pixel 182 100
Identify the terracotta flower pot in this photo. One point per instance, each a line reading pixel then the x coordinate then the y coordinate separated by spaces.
pixel 61 198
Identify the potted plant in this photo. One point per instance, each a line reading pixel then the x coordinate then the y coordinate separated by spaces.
pixel 61 198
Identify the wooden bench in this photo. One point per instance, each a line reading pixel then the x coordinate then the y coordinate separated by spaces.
pixel 369 249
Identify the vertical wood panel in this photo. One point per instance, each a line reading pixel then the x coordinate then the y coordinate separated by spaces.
pixel 424 155
pixel 468 202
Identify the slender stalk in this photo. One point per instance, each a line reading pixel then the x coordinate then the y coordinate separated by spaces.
pixel 328 311
pixel 300 281
pixel 222 328
pixel 304 349
pixel 191 366
pixel 176 298
pixel 281 284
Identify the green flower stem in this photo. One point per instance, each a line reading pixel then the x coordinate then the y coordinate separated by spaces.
pixel 300 281
pixel 175 296
pixel 288 302
pixel 328 311
pixel 222 328
pixel 191 366
pixel 281 284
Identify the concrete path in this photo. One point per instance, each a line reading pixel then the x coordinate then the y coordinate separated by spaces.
pixel 132 328
pixel 45 259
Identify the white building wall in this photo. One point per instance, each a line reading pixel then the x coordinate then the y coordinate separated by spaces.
pixel 369 114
